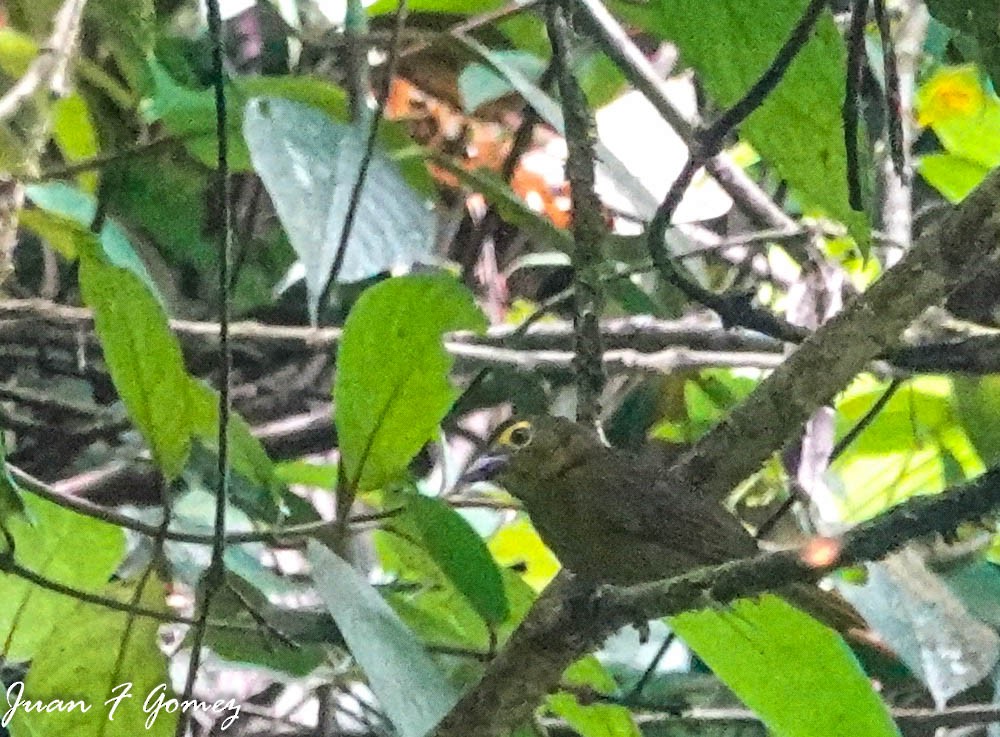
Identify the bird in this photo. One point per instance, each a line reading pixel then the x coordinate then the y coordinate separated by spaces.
pixel 611 516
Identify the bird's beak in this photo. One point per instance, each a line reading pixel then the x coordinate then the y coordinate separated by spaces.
pixel 486 468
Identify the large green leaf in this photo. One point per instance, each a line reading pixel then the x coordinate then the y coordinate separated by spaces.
pixel 65 547
pixel 391 389
pixel 797 675
pixel 143 356
pixel 310 165
pixel 410 687
pixel 108 660
pixel 190 114
pixel 909 448
pixel 798 128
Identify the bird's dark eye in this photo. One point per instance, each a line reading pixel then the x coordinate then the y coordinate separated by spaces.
pixel 517 435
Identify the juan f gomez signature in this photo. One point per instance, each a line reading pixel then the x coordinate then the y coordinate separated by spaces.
pixel 157 701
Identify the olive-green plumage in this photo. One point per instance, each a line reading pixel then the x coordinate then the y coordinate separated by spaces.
pixel 611 516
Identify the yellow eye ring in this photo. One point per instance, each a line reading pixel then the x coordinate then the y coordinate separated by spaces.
pixel 517 435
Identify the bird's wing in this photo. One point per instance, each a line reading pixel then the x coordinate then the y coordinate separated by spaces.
pixel 646 508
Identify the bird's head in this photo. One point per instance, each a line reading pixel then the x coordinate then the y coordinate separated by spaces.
pixel 529 455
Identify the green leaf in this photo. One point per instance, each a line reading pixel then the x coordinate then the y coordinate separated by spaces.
pixel 73 130
pixel 391 389
pixel 797 675
pixel 66 224
pixel 977 583
pixel 147 367
pixel 973 135
pixel 910 448
pixel 978 402
pixel 164 196
pixel 96 655
pixel 317 475
pixel 17 51
pixel 798 128
pixel 246 453
pixel 310 165
pixel 461 555
pixel 190 114
pixel 426 600
pixel 65 547
pixel 592 720
pixel 410 688
pixel 951 175
pixel 143 356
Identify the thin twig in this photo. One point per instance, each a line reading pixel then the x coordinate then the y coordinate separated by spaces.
pixel 640 73
pixel 366 159
pixel 636 691
pixel 855 75
pixel 893 96
pixel 588 224
pixel 713 137
pixel 102 160
pixel 869 417
pixel 214 577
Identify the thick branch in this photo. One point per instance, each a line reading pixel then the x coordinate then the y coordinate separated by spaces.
pixel 964 243
pixel 562 625
pixel 562 628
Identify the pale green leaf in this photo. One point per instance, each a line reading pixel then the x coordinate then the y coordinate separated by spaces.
pixel 410 687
